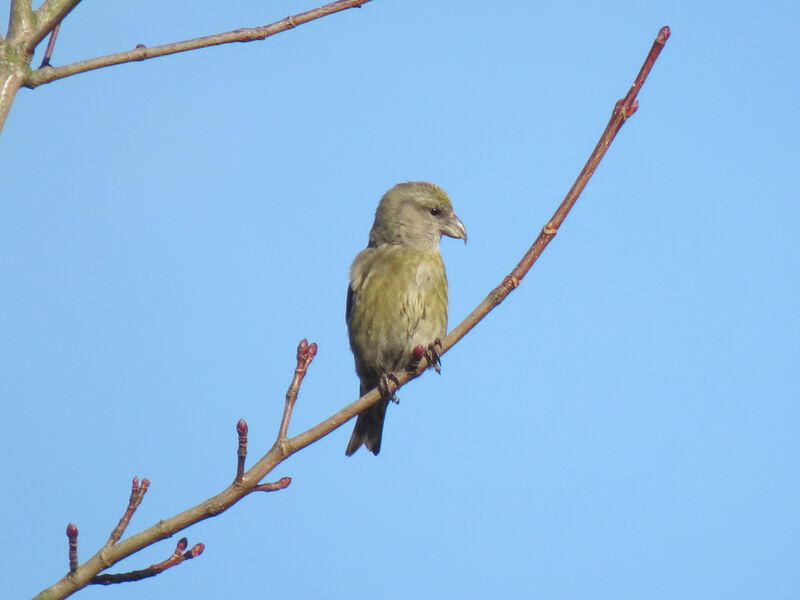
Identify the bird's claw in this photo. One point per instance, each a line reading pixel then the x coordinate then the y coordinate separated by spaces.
pixel 434 356
pixel 383 386
pixel 431 354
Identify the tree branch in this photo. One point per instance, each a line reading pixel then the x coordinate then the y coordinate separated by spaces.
pixel 49 74
pixel 622 110
pixel 19 19
pixel 305 354
pixel 49 15
pixel 137 494
pixel 178 556
pixel 51 43
pixel 248 482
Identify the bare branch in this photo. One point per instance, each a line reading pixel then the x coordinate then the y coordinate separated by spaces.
pixel 283 447
pixel 622 110
pixel 137 493
pixel 48 74
pixel 305 354
pixel 50 45
pixel 178 556
pixel 25 30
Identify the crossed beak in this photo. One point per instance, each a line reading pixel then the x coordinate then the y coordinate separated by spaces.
pixel 454 228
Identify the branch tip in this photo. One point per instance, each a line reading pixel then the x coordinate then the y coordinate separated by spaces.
pixel 138 490
pixel 177 557
pixel 663 34
pixel 306 352
pixel 281 484
pixel 241 451
pixel 72 536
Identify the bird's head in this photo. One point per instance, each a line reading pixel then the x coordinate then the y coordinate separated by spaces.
pixel 415 213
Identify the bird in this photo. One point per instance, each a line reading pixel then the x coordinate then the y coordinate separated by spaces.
pixel 397 297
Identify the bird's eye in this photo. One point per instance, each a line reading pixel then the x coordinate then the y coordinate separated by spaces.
pixel 435 211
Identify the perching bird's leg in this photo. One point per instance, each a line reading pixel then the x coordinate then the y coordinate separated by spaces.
pixel 383 386
pixel 431 353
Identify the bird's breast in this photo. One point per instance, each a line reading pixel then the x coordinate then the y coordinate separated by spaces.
pixel 399 301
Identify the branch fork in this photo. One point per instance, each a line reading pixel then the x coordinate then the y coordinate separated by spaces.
pixel 178 556
pixel 27 28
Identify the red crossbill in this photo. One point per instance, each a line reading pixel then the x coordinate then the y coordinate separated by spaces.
pixel 397 298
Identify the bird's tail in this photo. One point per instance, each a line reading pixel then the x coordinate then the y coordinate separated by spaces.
pixel 368 429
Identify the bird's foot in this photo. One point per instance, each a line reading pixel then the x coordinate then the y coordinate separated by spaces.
pixel 383 386
pixel 431 353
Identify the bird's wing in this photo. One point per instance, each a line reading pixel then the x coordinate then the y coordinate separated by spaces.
pixel 349 305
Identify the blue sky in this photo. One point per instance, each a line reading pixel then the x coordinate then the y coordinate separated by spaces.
pixel 623 426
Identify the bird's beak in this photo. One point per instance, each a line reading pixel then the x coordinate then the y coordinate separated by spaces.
pixel 454 228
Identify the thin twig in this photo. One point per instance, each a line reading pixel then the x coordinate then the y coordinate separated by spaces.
pixel 51 43
pixel 305 354
pixel 72 536
pixel 241 452
pixel 177 557
pixel 48 74
pixel 137 493
pixel 281 484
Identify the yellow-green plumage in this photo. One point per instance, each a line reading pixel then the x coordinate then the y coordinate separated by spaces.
pixel 397 298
